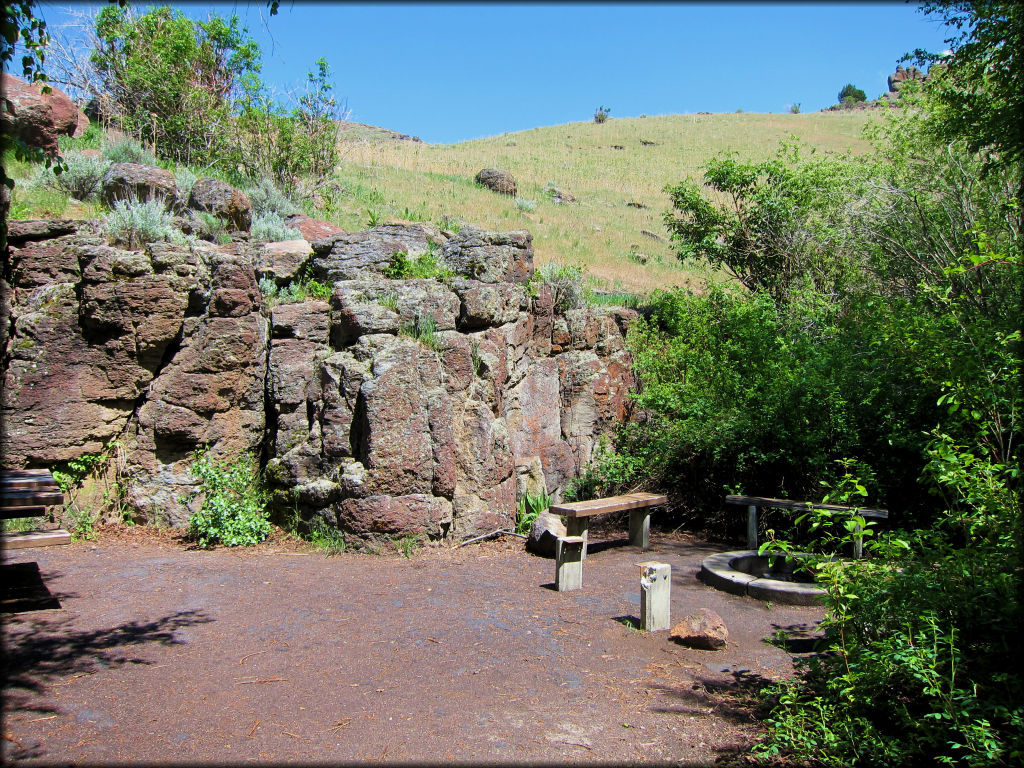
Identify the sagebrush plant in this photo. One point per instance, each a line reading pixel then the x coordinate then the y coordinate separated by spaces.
pixel 270 227
pixel 127 150
pixel 567 283
pixel 266 198
pixel 233 508
pixel 184 178
pixel 134 223
pixel 526 205
pixel 80 177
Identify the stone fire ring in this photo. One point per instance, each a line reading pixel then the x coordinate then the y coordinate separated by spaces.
pixel 717 571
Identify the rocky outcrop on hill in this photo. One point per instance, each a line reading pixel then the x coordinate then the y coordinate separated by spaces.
pixel 38 118
pixel 397 407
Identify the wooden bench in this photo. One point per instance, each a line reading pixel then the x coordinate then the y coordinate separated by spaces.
pixel 30 493
pixel 752 503
pixel 578 513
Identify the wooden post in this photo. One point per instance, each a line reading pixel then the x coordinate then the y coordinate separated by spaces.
pixel 655 596
pixel 752 527
pixel 858 542
pixel 569 562
pixel 640 527
pixel 578 526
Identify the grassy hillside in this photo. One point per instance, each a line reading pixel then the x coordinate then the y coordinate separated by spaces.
pixel 616 171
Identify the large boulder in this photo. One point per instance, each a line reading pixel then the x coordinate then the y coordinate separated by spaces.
pixel 353 256
pixel 137 182
pixel 491 257
pixel 38 118
pixel 223 201
pixel 497 180
pixel 544 534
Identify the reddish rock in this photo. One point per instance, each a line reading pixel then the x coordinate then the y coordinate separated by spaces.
pixel 704 630
pixel 312 229
pixel 38 118
pixel 396 515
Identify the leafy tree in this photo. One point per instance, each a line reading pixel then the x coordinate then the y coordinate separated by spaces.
pixel 773 225
pixel 285 142
pixel 171 78
pixel 851 94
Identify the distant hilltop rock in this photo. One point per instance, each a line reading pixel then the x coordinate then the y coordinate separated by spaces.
pixel 895 82
pixel 348 129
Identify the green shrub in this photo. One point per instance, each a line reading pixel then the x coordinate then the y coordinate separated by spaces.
pixel 234 507
pixel 184 178
pixel 601 114
pixel 525 205
pixel 127 150
pixel 851 94
pixel 134 224
pixel 270 227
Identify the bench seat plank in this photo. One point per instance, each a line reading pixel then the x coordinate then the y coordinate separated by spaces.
pixel 762 501
pixel 610 504
pixel 30 497
pixel 35 539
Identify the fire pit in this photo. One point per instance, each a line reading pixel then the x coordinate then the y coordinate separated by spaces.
pixel 746 572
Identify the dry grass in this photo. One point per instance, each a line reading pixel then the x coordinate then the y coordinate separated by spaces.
pixel 605 167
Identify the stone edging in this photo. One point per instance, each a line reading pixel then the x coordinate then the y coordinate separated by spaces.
pixel 717 572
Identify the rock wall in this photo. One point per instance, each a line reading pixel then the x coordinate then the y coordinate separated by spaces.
pixel 397 407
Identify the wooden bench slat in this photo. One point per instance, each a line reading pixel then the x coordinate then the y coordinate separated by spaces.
pixel 763 501
pixel 610 504
pixel 29 497
pixel 35 539
pixel 9 513
pixel 27 483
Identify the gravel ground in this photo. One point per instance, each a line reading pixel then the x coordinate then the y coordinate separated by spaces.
pixel 147 650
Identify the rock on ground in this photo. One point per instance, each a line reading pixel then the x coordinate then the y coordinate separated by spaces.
pixel 705 630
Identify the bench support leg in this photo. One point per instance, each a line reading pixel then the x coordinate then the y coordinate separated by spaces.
pixel 569 563
pixel 655 596
pixel 640 528
pixel 578 526
pixel 751 527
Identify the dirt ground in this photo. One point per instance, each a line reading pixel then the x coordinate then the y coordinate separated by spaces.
pixel 137 648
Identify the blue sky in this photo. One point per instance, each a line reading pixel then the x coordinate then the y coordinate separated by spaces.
pixel 449 73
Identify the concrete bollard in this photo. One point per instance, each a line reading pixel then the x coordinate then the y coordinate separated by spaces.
pixel 655 596
pixel 569 562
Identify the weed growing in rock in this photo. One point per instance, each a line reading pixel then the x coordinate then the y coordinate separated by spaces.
pixel 233 510
pixel 427 265
pixel 389 300
pixel 265 197
pixel 423 329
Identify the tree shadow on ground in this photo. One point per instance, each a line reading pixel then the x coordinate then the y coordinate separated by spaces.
pixel 37 653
